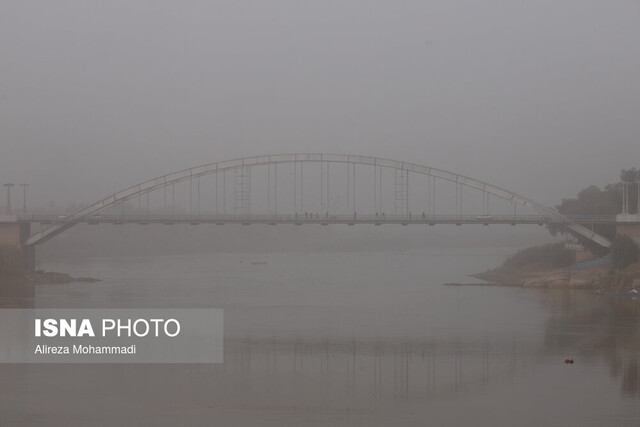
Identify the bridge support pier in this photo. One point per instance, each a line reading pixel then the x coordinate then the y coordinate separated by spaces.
pixel 17 257
pixel 629 225
pixel 29 258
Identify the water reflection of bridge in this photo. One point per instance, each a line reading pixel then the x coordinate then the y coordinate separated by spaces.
pixel 394 368
pixel 591 329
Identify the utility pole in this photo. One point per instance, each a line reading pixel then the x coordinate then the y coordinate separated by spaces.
pixel 8 185
pixel 638 186
pixel 24 197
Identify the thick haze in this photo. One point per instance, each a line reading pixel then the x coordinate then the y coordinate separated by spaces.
pixel 539 97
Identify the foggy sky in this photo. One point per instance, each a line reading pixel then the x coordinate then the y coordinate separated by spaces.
pixel 539 97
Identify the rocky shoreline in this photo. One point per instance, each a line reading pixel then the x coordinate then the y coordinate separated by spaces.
pixel 601 278
pixel 55 278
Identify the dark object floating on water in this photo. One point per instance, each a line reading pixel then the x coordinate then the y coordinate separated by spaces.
pixel 568 361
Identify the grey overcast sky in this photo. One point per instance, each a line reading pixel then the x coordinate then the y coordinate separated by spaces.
pixel 540 97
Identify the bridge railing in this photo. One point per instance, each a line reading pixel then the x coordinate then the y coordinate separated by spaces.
pixel 310 218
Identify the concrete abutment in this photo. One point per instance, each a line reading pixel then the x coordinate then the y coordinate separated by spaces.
pixel 18 258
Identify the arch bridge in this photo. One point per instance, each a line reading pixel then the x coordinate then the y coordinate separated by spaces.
pixel 332 188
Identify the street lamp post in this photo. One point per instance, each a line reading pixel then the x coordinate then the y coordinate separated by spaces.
pixel 24 197
pixel 8 185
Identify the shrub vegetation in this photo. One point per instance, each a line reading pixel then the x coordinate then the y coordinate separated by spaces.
pixel 553 255
pixel 624 251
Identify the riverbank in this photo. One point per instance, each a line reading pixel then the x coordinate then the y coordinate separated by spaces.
pixel 48 277
pixel 600 278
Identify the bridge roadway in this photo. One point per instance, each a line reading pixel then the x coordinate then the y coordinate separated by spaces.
pixel 319 219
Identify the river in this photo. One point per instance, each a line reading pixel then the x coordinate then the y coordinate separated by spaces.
pixel 352 338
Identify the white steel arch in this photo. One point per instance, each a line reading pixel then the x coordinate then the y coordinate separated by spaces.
pixel 210 168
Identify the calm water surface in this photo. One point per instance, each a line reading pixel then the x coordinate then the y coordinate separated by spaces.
pixel 354 338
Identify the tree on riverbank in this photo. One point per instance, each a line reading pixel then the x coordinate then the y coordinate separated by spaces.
pixel 624 252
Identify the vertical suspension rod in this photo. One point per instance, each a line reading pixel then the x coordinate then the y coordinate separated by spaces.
pixel 348 183
pixel 428 195
pixel 380 188
pixel 375 189
pixel 456 197
pixel 354 188
pixel 433 196
pixel 321 186
pixel 407 199
pixel 328 198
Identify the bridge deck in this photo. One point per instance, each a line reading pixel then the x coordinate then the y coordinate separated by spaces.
pixel 319 219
